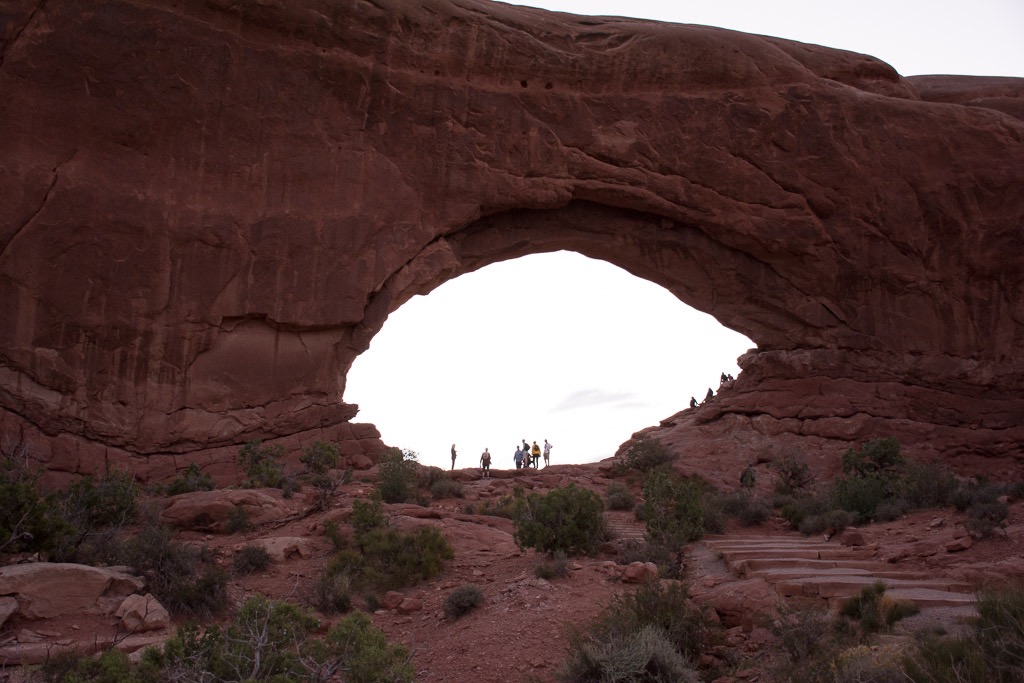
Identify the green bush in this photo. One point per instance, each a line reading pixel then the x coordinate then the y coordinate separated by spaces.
pixel 332 593
pixel 619 497
pixel 610 650
pixel 462 600
pixel 830 521
pixel 743 507
pixel 111 501
pixel 554 567
pixel 793 475
pixel 396 477
pixel 860 495
pixel 984 518
pixel 873 458
pixel 185 581
pixel 673 510
pixel 320 459
pixel 570 519
pixel 874 611
pixel 445 487
pixel 111 666
pixel 926 485
pixel 250 559
pixel 190 481
pixel 353 646
pixel 509 507
pixel 644 656
pixel 29 520
pixel 645 453
pixel 367 515
pixel 387 559
pixel 669 561
pixel 993 652
pixel 262 464
pixel 237 520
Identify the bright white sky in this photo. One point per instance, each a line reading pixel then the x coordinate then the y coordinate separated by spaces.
pixel 581 353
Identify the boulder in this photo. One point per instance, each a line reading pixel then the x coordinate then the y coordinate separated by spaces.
pixel 212 510
pixel 740 603
pixel 44 590
pixel 8 606
pixel 140 613
pixel 281 548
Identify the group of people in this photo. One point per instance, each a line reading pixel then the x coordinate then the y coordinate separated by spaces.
pixel 726 379
pixel 525 456
pixel 530 455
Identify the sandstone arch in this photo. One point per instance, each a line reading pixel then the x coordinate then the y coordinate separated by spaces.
pixel 211 208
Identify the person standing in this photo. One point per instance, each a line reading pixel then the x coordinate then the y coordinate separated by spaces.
pixel 547 453
pixel 519 457
pixel 453 456
pixel 535 454
pixel 485 464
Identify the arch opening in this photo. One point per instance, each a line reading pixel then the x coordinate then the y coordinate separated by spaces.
pixel 553 346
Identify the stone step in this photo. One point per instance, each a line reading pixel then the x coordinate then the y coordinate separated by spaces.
pixel 828 587
pixel 744 567
pixel 823 553
pixel 925 598
pixel 774 574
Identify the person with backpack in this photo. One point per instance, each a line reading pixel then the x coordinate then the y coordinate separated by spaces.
pixel 485 464
pixel 535 455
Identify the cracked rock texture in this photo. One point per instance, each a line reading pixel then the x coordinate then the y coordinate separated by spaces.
pixel 210 208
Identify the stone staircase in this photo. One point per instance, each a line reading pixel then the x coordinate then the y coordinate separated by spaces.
pixel 800 567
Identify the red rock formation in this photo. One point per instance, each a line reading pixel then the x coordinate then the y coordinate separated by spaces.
pixel 211 208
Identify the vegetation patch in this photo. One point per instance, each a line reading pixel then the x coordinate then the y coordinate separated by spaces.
pixel 570 519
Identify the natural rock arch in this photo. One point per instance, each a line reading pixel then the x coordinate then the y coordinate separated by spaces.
pixel 212 209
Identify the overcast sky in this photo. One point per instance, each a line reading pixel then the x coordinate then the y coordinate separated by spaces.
pixel 580 352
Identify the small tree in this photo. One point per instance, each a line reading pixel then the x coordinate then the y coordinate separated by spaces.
pixel 396 478
pixel 319 459
pixel 262 464
pixel 570 519
pixel 673 510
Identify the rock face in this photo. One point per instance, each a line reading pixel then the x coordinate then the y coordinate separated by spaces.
pixel 210 209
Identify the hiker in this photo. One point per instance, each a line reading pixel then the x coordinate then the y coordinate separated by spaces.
pixel 693 402
pixel 535 455
pixel 453 456
pixel 547 453
pixel 485 464
pixel 519 457
pixel 723 380
pixel 709 396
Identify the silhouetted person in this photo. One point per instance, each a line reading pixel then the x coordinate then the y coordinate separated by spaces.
pixel 693 402
pixel 710 395
pixel 453 456
pixel 724 379
pixel 485 464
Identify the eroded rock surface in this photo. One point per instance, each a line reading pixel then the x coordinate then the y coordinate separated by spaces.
pixel 210 209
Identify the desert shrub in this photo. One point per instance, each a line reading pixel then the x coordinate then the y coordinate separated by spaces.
pixel 445 487
pixel 110 501
pixel 673 509
pixel 792 475
pixel 880 457
pixel 332 593
pixel 508 507
pixel 926 485
pixel 860 495
pixel 111 666
pixel 803 633
pixel 185 581
pixel 741 506
pixel 396 477
pixel 891 509
pixel 830 521
pixel 570 519
pixel 645 453
pixel 862 664
pixel 320 458
pixel 983 518
pixel 608 649
pixel 619 497
pixel 359 651
pixel 993 652
pixel 627 657
pixel 251 558
pixel 387 559
pixel 237 520
pixel 554 567
pixel 29 520
pixel 874 610
pixel 462 600
pixel 367 515
pixel 190 481
pixel 262 464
